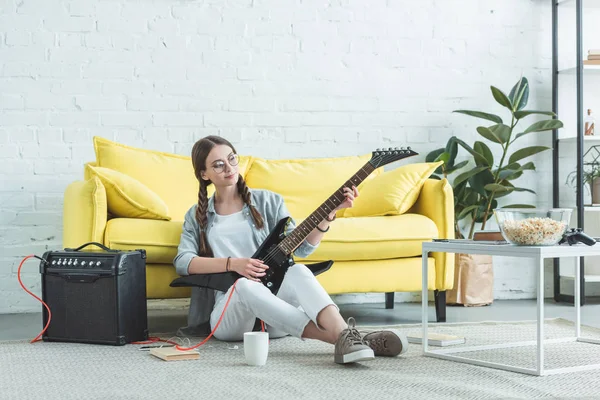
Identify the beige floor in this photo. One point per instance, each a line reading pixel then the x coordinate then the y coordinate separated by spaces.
pixel 167 316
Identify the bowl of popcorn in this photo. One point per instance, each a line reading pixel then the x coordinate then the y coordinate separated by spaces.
pixel 533 226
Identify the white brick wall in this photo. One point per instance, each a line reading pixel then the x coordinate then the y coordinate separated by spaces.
pixel 304 79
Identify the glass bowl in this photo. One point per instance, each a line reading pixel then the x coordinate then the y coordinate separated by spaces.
pixel 533 226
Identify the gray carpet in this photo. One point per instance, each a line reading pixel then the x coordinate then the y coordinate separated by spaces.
pixel 297 369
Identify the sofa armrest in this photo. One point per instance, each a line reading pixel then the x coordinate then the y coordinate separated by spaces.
pixel 436 201
pixel 84 213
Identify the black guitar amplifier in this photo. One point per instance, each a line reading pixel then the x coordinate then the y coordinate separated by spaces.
pixel 95 296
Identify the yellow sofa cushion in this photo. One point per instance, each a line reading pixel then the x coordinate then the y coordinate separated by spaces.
pixel 305 183
pixel 159 238
pixel 170 176
pixel 393 192
pixel 128 197
pixel 84 212
pixel 365 238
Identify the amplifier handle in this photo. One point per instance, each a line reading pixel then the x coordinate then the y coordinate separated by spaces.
pixel 92 243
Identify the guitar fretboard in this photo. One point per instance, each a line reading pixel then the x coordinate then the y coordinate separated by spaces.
pixel 297 236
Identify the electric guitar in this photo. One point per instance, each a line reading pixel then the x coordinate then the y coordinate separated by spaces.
pixel 277 249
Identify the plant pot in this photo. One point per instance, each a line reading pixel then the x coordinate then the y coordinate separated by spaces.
pixel 595 191
pixel 473 281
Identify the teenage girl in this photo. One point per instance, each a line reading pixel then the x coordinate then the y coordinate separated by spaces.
pixel 220 233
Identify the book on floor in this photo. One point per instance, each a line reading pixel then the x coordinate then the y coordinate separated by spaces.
pixel 436 339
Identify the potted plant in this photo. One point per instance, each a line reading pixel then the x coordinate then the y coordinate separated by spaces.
pixel 478 188
pixel 590 175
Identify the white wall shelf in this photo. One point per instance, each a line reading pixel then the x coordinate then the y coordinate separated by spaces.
pixel 586 3
pixel 591 69
pixel 591 139
pixel 588 278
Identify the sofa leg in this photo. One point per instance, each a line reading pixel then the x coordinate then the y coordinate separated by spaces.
pixel 440 305
pixel 389 300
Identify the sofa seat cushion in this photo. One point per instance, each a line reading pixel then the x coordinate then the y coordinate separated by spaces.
pixel 159 238
pixel 349 239
pixel 375 238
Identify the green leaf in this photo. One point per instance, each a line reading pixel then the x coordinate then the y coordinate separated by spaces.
pixel 485 151
pixel 502 131
pixel 526 152
pixel 483 207
pixel 519 94
pixel 495 187
pixel 478 181
pixel 456 167
pixel 517 189
pixel 508 173
pixel 443 157
pixel 488 134
pixel 506 184
pixel 452 149
pixel 466 175
pixel 524 113
pixel 528 166
pixel 501 97
pixel 479 158
pixel 540 126
pixel 518 206
pixel 479 114
pixel 466 211
pixel 546 125
pixel 433 155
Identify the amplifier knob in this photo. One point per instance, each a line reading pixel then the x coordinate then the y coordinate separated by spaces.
pixel 98 263
pixel 65 261
pixel 70 262
pixel 76 262
pixel 59 261
pixel 53 262
pixel 83 263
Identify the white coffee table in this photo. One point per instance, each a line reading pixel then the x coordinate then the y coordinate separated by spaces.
pixel 539 254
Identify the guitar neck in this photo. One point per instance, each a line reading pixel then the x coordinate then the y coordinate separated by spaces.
pixel 297 236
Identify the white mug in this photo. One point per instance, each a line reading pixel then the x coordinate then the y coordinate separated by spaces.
pixel 256 347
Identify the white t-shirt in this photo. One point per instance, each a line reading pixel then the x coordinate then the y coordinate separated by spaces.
pixel 231 236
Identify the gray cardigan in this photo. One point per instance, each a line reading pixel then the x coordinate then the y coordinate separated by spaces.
pixel 272 208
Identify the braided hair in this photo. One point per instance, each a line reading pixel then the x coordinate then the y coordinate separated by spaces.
pixel 200 152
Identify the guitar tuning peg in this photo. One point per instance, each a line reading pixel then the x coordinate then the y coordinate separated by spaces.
pixel 378 149
pixel 395 148
pixel 408 148
pixel 390 149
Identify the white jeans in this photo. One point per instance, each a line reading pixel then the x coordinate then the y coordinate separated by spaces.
pixel 298 301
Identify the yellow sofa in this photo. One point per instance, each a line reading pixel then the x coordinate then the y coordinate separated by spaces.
pixel 371 253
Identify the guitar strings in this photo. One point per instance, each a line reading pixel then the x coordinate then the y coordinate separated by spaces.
pixel 271 255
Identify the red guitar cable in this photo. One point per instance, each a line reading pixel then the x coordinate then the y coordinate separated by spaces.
pixel 37 338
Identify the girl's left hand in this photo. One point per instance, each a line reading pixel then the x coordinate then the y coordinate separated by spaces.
pixel 350 194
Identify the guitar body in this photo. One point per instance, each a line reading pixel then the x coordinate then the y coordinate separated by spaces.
pixel 268 252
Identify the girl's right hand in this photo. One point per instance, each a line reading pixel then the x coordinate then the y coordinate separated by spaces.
pixel 249 267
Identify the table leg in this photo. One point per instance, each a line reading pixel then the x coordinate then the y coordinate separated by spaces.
pixel 424 299
pixel 540 316
pixel 577 298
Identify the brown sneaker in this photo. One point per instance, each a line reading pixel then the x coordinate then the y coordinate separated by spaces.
pixel 350 347
pixel 386 343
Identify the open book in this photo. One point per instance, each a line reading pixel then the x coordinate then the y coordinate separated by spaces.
pixel 436 339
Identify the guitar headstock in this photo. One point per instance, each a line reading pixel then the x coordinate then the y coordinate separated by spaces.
pixel 381 157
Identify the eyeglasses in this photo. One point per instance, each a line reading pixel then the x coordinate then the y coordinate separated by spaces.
pixel 232 160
